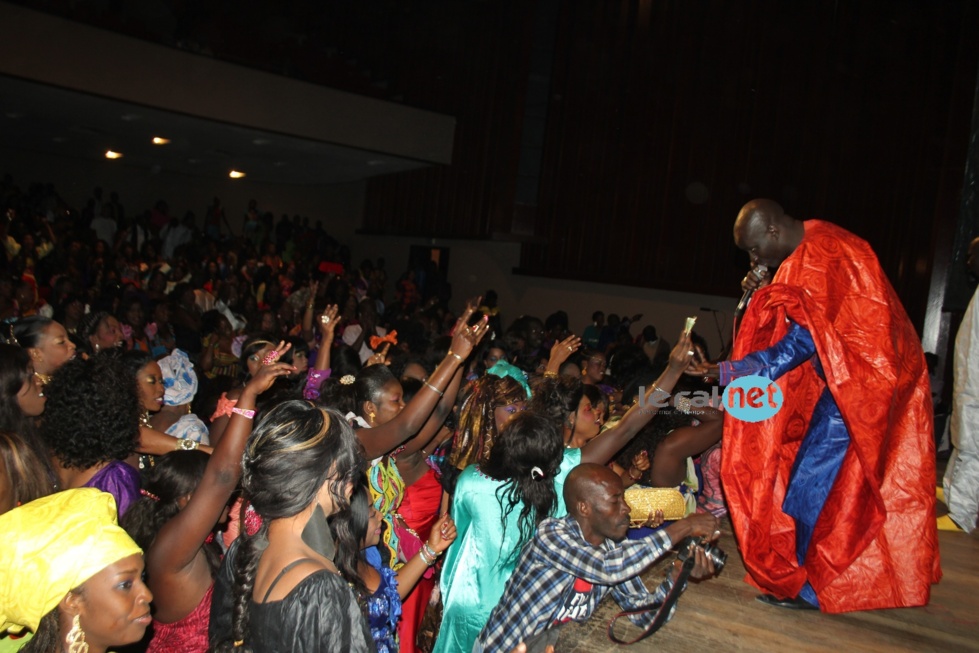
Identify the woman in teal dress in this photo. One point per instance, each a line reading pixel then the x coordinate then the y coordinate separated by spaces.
pixel 497 506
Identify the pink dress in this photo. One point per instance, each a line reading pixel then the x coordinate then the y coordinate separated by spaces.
pixel 187 635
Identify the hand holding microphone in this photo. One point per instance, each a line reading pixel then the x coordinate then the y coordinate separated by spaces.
pixel 756 278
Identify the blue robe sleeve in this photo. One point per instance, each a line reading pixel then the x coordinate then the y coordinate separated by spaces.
pixel 794 349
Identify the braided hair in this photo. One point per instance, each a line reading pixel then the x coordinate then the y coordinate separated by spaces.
pixel 477 432
pixel 294 450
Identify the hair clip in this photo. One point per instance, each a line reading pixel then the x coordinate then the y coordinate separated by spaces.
pixel 347 379
pixel 149 495
pixel 536 473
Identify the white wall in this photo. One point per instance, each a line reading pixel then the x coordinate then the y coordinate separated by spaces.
pixel 476 266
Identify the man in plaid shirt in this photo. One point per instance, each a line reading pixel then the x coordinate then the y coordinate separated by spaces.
pixel 573 562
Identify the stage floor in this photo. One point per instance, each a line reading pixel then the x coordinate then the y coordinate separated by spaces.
pixel 722 615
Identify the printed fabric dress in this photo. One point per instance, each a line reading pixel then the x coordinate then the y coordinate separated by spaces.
pixel 384 605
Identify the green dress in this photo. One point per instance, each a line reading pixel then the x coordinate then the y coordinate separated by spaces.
pixel 480 561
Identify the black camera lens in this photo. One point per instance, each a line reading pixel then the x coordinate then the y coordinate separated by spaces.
pixel 716 554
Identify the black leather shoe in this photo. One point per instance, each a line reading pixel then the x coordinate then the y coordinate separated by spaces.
pixel 791 604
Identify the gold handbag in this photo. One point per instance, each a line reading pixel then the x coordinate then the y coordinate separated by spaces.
pixel 645 500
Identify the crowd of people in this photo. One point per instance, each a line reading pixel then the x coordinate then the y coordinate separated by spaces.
pixel 292 440
pixel 311 458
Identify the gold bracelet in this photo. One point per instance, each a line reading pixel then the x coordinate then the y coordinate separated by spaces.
pixel 456 356
pixel 550 375
pixel 659 389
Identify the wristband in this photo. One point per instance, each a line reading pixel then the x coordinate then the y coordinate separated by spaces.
pixel 185 444
pixel 244 412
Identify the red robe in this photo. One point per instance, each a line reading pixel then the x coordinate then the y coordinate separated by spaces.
pixel 875 544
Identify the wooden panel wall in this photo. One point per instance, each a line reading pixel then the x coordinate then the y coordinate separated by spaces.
pixel 469 60
pixel 666 116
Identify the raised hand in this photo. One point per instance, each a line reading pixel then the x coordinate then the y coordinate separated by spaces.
pixel 683 353
pixel 465 337
pixel 562 350
pixel 379 358
pixel 328 321
pixel 270 370
pixel 443 534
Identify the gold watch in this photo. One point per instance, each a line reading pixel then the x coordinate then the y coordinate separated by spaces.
pixel 186 444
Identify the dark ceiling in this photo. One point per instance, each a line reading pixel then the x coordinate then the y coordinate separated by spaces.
pixel 36 118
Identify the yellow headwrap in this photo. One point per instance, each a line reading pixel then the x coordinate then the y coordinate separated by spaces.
pixel 51 546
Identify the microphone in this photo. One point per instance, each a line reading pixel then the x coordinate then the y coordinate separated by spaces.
pixel 759 271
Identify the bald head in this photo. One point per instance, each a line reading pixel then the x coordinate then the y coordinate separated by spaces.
pixel 585 483
pixel 764 231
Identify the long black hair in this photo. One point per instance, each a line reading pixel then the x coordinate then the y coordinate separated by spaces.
pixel 557 399
pixel 527 457
pixel 294 450
pixel 15 371
pixel 171 478
pixel 350 528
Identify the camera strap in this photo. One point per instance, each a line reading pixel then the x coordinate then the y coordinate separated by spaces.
pixel 662 609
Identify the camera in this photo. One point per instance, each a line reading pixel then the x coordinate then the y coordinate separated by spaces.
pixel 715 553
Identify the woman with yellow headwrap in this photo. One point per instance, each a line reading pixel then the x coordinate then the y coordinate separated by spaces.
pixel 71 575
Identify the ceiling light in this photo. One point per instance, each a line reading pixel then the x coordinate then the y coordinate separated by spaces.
pixel 109 154
pixel 159 140
pixel 235 174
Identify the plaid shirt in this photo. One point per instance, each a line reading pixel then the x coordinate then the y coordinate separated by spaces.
pixel 549 568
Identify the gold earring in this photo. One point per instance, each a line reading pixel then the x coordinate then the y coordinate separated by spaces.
pixel 370 416
pixel 76 637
